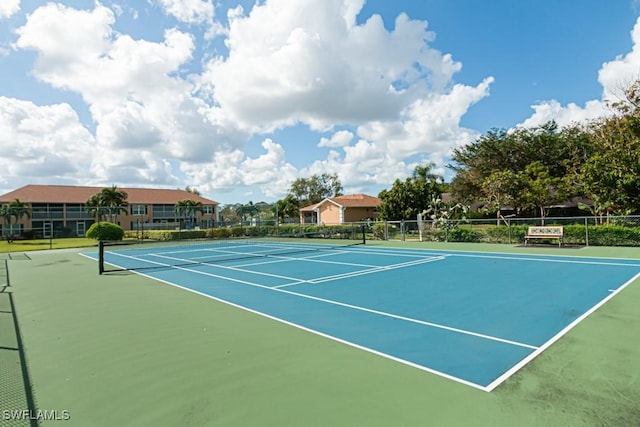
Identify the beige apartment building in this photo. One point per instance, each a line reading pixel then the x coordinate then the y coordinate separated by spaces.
pixel 60 209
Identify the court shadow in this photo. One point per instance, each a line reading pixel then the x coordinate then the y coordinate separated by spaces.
pixel 16 392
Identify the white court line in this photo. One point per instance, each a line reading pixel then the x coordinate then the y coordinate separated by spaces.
pixel 281 258
pixel 284 257
pixel 273 261
pixel 351 306
pixel 297 281
pixel 313 331
pixel 556 337
pixel 362 272
pixel 561 261
pixel 224 267
pixel 488 388
pixel 501 255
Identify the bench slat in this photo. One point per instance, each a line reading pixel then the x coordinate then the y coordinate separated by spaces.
pixel 544 232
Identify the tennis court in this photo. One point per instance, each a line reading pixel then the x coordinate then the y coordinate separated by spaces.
pixel 475 318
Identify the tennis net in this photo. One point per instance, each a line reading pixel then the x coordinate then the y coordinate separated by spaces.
pixel 136 255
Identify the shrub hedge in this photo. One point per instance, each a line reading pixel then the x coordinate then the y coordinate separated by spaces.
pixel 247 231
pixel 105 231
pixel 600 235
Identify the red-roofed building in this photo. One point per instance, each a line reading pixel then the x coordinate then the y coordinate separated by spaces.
pixel 341 209
pixel 61 207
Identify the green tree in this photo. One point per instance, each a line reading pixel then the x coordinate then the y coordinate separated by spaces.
pixel 502 188
pixel 93 206
pixel 501 154
pixel 612 175
pixel 287 208
pixel 229 214
pixel 113 201
pixel 247 211
pixel 405 199
pixel 540 188
pixel 316 188
pixel 187 209
pixel 5 213
pixel 16 209
pixel 192 190
pixel 446 216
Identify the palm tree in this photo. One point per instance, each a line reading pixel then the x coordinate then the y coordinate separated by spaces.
pixel 187 208
pixel 249 209
pixel 15 209
pixel 287 208
pixel 425 173
pixel 93 206
pixel 192 190
pixel 114 200
pixel 5 213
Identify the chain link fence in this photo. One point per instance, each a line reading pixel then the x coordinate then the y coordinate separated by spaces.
pixel 578 231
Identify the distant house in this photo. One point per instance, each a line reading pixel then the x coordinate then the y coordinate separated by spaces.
pixel 55 208
pixel 341 209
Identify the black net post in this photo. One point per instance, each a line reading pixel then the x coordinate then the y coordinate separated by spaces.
pixel 100 257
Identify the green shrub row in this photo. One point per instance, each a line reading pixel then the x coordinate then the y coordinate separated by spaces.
pixel 600 235
pixel 248 231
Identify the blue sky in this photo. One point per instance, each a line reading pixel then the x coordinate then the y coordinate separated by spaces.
pixel 240 98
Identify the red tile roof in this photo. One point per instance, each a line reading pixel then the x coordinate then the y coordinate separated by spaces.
pixel 75 194
pixel 349 201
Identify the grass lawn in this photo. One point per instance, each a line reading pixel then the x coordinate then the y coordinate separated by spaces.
pixel 45 244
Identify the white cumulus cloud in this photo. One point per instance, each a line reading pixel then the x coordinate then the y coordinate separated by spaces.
pixel 310 62
pixel 338 139
pixel 190 11
pixel 42 142
pixel 146 114
pixel 8 8
pixel 159 120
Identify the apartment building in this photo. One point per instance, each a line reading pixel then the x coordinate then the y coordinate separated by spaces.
pixel 60 209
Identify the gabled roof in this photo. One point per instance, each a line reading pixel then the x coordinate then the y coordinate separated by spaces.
pixel 348 201
pixel 79 194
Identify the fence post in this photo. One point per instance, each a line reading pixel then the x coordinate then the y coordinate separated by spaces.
pixel 509 229
pixel 586 231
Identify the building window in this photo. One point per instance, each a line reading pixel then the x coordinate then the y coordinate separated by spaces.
pixel 138 210
pixel 164 211
pixel 207 209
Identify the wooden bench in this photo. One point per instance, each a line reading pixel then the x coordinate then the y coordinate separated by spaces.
pixel 544 232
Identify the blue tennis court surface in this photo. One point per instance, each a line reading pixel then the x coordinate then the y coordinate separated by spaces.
pixel 475 318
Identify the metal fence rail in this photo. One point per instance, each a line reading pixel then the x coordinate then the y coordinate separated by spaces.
pixel 599 231
pixel 578 231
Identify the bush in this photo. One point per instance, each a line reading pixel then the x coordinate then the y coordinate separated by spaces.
pixel 464 235
pixel 379 231
pixel 105 231
pixel 614 235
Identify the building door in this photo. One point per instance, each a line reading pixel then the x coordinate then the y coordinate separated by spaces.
pixel 46 229
pixel 80 228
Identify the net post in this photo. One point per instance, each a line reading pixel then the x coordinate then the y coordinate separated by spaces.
pixel 100 257
pixel 6 271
